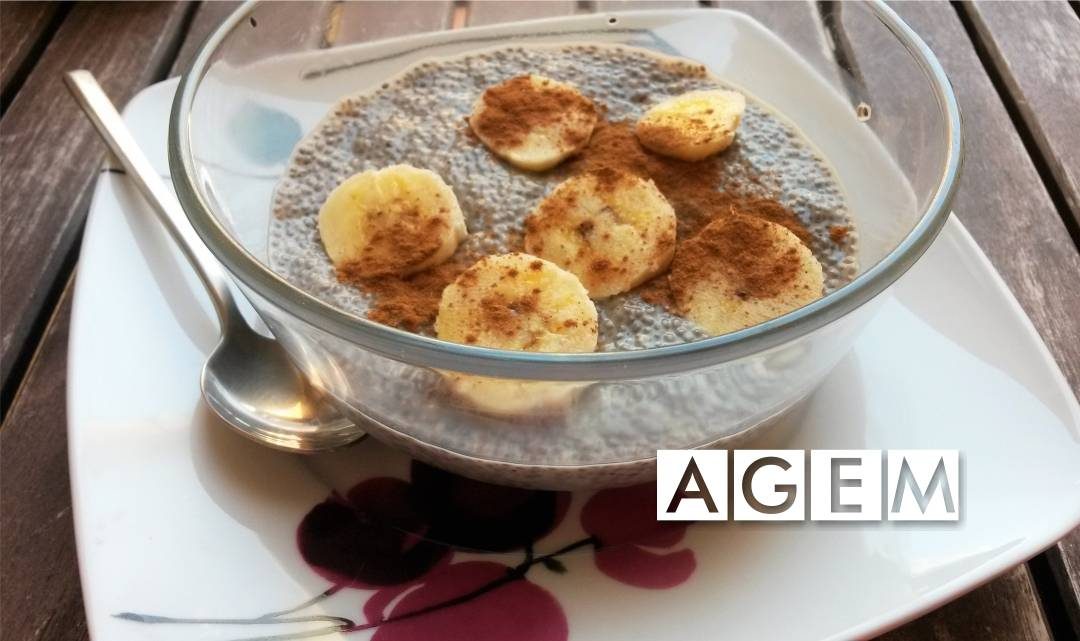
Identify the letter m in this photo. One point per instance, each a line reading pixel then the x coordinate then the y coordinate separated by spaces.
pixel 939 472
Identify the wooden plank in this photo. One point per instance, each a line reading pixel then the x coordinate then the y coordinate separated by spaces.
pixel 493 11
pixel 1004 609
pixel 785 18
pixel 22 27
pixel 639 5
pixel 1064 560
pixel 207 18
pixel 1005 205
pixel 798 23
pixel 40 594
pixel 1035 49
pixel 341 23
pixel 1001 199
pixel 383 19
pixel 50 154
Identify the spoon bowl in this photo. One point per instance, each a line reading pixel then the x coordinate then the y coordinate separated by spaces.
pixel 250 382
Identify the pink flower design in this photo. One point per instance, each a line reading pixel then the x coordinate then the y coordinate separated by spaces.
pixel 399 538
pixel 370 538
pixel 623 521
pixel 513 609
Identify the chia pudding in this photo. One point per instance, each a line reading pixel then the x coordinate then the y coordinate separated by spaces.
pixel 419 118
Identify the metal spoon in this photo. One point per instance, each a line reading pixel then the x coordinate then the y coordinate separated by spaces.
pixel 248 380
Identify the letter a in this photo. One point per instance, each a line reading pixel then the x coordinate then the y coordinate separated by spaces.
pixel 702 491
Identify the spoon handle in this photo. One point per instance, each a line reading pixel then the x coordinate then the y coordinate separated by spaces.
pixel 110 126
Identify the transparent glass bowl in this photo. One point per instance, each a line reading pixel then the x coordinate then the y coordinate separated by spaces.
pixel 855 79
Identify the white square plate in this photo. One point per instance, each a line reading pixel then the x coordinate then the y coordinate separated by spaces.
pixel 176 516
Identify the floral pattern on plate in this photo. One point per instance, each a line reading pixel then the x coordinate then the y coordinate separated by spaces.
pixel 395 541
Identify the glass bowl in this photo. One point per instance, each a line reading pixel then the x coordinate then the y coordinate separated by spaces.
pixel 855 79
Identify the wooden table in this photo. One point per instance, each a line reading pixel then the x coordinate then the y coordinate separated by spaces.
pixel 1015 67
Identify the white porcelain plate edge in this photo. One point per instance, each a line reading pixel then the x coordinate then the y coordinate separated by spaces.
pixel 174 515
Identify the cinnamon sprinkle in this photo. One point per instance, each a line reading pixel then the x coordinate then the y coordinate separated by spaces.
pixel 838 234
pixel 690 187
pixel 739 250
pixel 412 302
pixel 657 291
pixel 504 315
pixel 411 239
pixel 514 108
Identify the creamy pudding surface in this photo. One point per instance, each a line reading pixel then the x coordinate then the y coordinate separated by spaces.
pixel 419 118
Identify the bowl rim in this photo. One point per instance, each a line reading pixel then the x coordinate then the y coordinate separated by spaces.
pixel 425 351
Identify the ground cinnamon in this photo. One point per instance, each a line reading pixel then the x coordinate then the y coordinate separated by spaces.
pixel 657 291
pixel 514 108
pixel 504 315
pixel 397 247
pixel 690 187
pixel 838 234
pixel 738 250
pixel 410 302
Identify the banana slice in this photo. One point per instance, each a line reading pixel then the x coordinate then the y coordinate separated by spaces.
pixel 506 398
pixel 533 122
pixel 739 271
pixel 396 220
pixel 692 126
pixel 516 301
pixel 613 230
